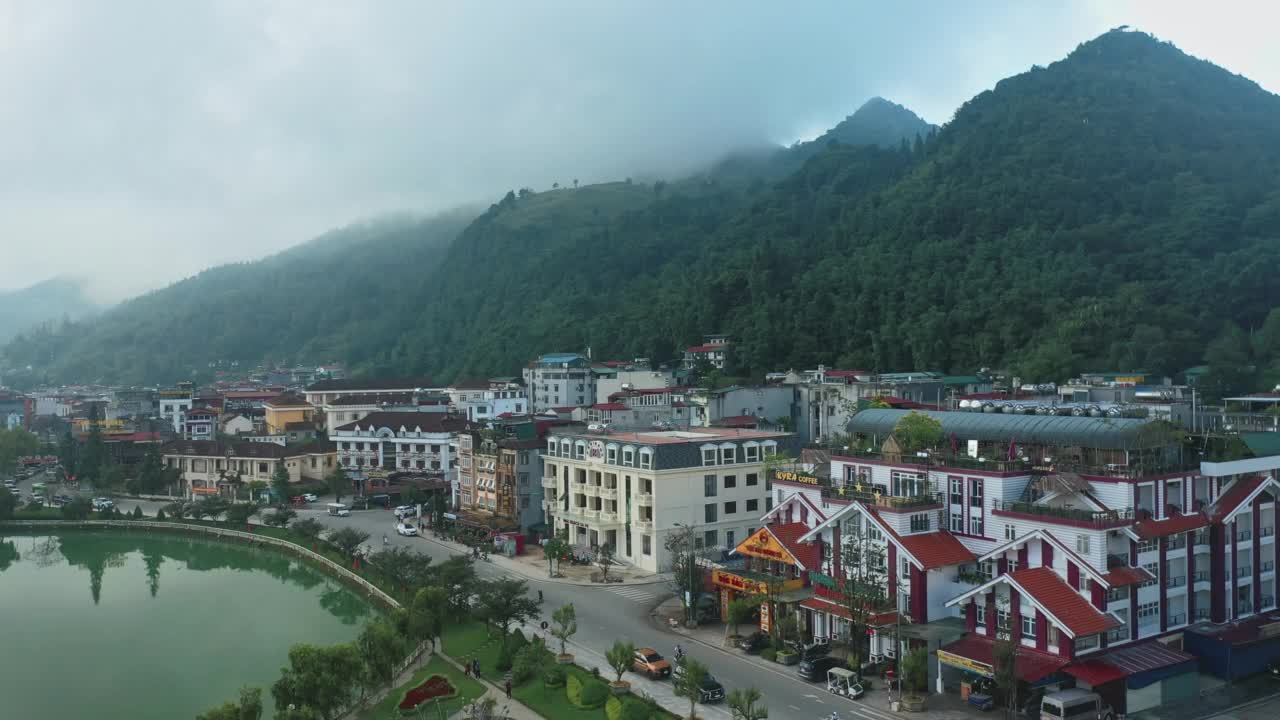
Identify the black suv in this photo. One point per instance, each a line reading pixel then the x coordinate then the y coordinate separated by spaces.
pixel 816 668
pixel 711 690
pixel 754 643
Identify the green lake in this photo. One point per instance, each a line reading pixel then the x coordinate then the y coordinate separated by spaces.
pixel 136 626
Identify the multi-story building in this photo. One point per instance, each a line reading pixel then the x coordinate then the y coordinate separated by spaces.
pixel 321 394
pixel 631 489
pixel 174 403
pixel 284 409
pixel 210 467
pixel 199 424
pixel 519 470
pixel 643 407
pixel 483 400
pixel 773 404
pixel 825 399
pixel 635 376
pixel 398 441
pixel 716 351
pixel 1074 536
pixel 349 408
pixel 560 380
pixel 132 403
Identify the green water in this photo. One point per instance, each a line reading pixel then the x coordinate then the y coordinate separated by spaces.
pixel 122 626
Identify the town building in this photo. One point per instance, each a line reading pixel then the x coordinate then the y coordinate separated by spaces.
pixel 519 470
pixel 632 489
pixel 386 442
pixel 770 404
pixel 211 467
pixel 132 403
pixel 284 409
pixel 826 398
pixel 643 408
pixel 483 400
pixel 349 408
pixel 635 376
pixel 199 424
pixel 716 351
pixel 311 461
pixel 238 425
pixel 174 404
pixel 560 380
pixel 323 392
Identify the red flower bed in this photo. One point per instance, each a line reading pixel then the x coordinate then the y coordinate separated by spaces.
pixel 436 686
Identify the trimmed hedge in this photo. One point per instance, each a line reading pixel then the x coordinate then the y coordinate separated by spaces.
pixel 594 694
pixel 573 690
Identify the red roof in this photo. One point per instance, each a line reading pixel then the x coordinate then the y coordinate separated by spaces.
pixel 739 421
pixel 932 550
pixel 788 535
pixel 707 348
pixel 1030 665
pixel 1148 529
pixel 835 608
pixel 1229 501
pixel 133 437
pixel 1094 672
pixel 845 373
pixel 609 406
pixel 1052 593
pixel 565 409
pixel 1125 576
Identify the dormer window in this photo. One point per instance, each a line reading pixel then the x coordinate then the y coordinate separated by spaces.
pixel 751 453
pixel 646 458
pixel 709 455
pixel 611 454
pixel 728 454
pixel 551 447
pixel 629 456
pixel 580 450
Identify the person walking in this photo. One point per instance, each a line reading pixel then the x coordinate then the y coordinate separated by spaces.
pixel 507 686
pixel 466 668
pixel 475 668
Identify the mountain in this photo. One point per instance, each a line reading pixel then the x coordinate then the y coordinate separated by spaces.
pixel 51 300
pixel 332 298
pixel 1116 209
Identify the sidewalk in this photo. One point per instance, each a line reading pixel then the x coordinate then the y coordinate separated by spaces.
pixel 508 708
pixel 533 565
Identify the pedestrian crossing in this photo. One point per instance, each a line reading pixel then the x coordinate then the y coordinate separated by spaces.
pixel 640 593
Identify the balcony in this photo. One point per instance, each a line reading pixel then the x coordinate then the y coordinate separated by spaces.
pixel 1244 572
pixel 1067 516
pixel 1202 538
pixel 1244 607
pixel 1176 581
pixel 644 526
pixel 1179 542
pixel 1202 614
pixel 1201 576
pixel 1244 535
pixel 1268 601
pixel 1117 594
pixel 608 516
pixel 549 505
pixel 1176 620
pixel 1268 566
pixel 890 502
pixel 608 493
pixel 942 460
pixel 549 482
pixel 644 500
pixel 1266 531
pixel 590 490
pixel 1117 561
pixel 590 513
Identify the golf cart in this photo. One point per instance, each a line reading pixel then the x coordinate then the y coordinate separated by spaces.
pixel 844 682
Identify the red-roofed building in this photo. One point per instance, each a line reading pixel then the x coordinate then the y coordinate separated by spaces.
pixel 716 350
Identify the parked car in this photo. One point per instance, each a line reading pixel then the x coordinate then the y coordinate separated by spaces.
pixel 754 643
pixel 101 503
pixel 711 691
pixel 649 662
pixel 1075 703
pixel 61 499
pixel 406 529
pixel 816 669
pixel 406 511
pixel 310 497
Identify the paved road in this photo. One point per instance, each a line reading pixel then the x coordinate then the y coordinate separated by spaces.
pixel 612 613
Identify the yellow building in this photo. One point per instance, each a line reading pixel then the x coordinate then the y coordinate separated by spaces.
pixel 284 409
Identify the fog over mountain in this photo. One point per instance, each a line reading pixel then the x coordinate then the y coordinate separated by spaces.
pixel 146 141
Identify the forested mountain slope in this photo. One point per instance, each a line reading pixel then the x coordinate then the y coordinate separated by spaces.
pixel 51 300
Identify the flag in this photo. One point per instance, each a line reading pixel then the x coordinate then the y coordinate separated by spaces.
pixel 955 444
pixel 1013 449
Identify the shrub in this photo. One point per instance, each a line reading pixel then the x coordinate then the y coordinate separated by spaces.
pixel 517 641
pixel 554 676
pixel 505 659
pixel 769 654
pixel 613 709
pixel 160 514
pixel 636 710
pixel 594 694
pixel 573 690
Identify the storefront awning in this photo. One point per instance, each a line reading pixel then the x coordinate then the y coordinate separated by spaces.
pixel 833 608
pixel 976 653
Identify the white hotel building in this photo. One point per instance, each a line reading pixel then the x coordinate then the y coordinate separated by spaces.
pixel 631 489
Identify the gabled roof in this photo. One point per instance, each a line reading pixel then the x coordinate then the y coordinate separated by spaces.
pixel 1150 529
pixel 287 400
pixel 1126 576
pixel 776 511
pixel 935 549
pixel 1055 597
pixel 1046 536
pixel 1238 497
pixel 808 556
pixel 431 422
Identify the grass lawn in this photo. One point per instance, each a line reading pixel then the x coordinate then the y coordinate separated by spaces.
pixel 464 641
pixel 467 688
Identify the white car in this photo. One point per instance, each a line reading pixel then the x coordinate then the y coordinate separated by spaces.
pixel 406 529
pixel 403 511
pixel 310 497
pixel 102 503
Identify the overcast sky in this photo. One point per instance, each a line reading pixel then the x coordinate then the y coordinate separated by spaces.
pixel 143 141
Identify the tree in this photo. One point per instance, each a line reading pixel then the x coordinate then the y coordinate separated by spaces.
pixel 8 503
pixel 210 507
pixel 239 513
pixel 1004 655
pixel 604 560
pixel 566 625
pixel 504 602
pixel 427 614
pixel 347 539
pixel 111 480
pixel 741 610
pixel 255 490
pixel 149 478
pixel 380 648
pixel 685 573
pixel 743 704
pixel 279 518
pixel 864 587
pixel 309 529
pixel 457 577
pixel 68 452
pixel 280 485
pixel 319 679
pixel 557 547
pixel 915 671
pixel 620 656
pixel 409 569
pixel 248 707
pixel 689 684
pixel 78 509
pixel 916 431
pixel 14 444
pixel 338 483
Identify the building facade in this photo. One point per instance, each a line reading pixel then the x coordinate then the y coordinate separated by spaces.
pixel 560 380
pixel 284 409
pixel 421 443
pixel 632 489
pixel 199 424
pixel 483 400
pixel 716 351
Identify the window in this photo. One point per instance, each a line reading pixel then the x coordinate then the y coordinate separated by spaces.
pixel 1147 610
pixel 708 486
pixel 920 522
pixel 646 544
pixel 524 502
pixel 980 612
pixel 646 458
pixel 1002 619
pixel 752 479
pixel 1010 532
pixel 975 491
pixel 709 512
pixel 728 455
pixel 1154 569
pixel 975 525
pixel 551 447
pixel 580 450
pixel 1148 546
pixel 611 455
pixel 729 539
pixel 711 538
pixel 768 503
pixel 1011 565
pixel 628 456
pixel 730 482
pixel 731 508
pixel 753 505
pixel 1082 544
pixel 751 453
pixel 957 522
pixel 957 490
pixel 1029 626
pixel 1053 635
pixel 906 484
